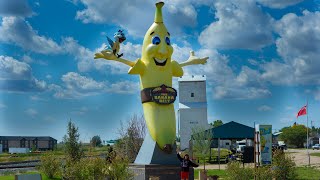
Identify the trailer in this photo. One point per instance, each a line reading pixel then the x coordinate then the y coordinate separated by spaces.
pixel 19 150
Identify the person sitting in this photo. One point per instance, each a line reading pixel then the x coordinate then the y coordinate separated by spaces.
pixel 185 164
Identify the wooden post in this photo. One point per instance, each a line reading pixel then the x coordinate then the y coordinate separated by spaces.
pixel 219 152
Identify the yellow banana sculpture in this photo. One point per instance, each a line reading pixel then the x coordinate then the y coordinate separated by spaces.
pixel 156 69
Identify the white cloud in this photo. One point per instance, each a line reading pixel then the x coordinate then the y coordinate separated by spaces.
pixel 224 82
pixel 277 73
pixel 298 46
pixel 85 61
pixel 27 59
pixel 239 25
pixel 264 108
pixel 76 86
pixel 181 13
pixel 31 112
pixel 18 31
pixel 17 76
pixel 13 69
pixel 278 4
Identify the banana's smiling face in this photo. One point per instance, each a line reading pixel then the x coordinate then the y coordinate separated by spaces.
pixel 157 47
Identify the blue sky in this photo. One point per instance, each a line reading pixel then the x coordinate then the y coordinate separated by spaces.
pixel 264 61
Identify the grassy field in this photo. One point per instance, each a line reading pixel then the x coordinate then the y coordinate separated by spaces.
pixel 315 154
pixel 304 173
pixel 12 177
pixel 89 151
pixel 308 173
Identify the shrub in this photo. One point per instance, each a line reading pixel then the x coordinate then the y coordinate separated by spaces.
pixel 263 173
pixel 283 166
pixel 50 165
pixel 235 171
pixel 118 169
pixel 86 169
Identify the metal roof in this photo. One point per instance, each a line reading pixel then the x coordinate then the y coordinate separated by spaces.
pixel 15 138
pixel 232 130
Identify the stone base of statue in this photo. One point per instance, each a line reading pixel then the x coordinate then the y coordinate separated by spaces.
pixel 154 164
pixel 157 172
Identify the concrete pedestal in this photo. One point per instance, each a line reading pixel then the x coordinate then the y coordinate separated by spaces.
pixel 150 153
pixel 157 172
pixel 154 164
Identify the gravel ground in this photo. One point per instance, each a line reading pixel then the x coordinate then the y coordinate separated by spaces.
pixel 301 157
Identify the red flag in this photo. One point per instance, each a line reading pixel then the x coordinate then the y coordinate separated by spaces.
pixel 303 111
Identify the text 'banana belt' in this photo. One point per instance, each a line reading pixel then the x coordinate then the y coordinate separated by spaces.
pixel 161 95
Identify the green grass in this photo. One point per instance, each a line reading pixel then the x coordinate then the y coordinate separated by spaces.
pixel 89 151
pixel 11 177
pixel 308 173
pixel 315 154
pixel 302 172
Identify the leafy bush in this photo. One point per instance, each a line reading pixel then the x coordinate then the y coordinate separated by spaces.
pixel 263 173
pixel 86 169
pixel 50 165
pixel 118 169
pixel 283 166
pixel 235 170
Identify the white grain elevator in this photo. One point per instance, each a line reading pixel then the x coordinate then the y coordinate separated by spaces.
pixel 192 111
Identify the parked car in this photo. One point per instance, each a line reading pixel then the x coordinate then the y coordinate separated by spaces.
pixel 316 146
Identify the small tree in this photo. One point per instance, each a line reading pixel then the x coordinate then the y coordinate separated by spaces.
pixel 96 141
pixel 295 135
pixel 50 165
pixel 201 143
pixel 216 123
pixel 73 148
pixel 283 166
pixel 131 137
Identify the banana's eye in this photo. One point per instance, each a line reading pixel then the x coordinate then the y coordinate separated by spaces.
pixel 156 40
pixel 168 41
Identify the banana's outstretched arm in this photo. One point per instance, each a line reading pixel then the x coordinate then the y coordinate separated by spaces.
pixel 194 60
pixel 108 55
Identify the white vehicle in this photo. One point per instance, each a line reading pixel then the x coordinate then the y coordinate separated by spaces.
pixel 316 146
pixel 241 145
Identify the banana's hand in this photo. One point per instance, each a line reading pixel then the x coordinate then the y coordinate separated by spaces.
pixel 195 60
pixel 105 54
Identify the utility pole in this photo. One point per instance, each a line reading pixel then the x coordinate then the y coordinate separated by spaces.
pixel 308 132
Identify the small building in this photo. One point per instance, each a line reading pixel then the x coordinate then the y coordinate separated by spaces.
pixel 192 111
pixel 228 134
pixel 41 143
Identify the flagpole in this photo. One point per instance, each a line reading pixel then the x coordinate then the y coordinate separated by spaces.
pixel 308 132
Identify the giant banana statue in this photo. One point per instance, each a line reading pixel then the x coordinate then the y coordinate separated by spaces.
pixel 156 69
